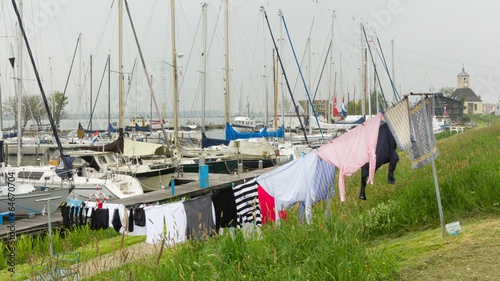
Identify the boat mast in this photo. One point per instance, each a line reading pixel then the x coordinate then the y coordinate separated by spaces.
pixel 275 66
pixel 226 34
pixel 150 103
pixel 374 91
pixel 90 127
pixel 204 66
pixel 39 82
pixel 148 77
pixel 309 72
pixel 283 69
pixel 281 39
pixel 109 90
pixel 19 87
pixel 1 111
pixel 365 82
pixel 265 70
pixel 363 63
pixel 392 59
pixel 332 72
pixel 174 72
pixel 121 102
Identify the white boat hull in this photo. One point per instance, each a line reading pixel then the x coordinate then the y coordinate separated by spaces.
pixel 25 203
pixel 155 182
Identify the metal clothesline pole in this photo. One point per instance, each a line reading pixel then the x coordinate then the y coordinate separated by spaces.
pixel 434 173
pixel 47 201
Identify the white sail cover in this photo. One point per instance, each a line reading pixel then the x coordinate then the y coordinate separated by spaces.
pixel 139 148
pixel 328 126
pixel 251 148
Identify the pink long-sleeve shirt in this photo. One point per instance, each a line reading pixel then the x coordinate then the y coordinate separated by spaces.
pixel 352 150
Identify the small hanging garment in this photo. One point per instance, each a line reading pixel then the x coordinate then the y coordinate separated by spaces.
pixel 386 153
pixel 117 223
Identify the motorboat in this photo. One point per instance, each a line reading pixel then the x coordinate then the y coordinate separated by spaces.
pixel 153 175
pixel 23 199
pixel 81 181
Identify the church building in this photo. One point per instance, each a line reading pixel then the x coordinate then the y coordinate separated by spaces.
pixel 472 103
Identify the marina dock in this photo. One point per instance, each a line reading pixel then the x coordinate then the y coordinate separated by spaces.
pixel 191 188
pixel 187 185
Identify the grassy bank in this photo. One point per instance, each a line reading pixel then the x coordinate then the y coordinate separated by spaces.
pixel 471 255
pixel 394 235
pixel 30 250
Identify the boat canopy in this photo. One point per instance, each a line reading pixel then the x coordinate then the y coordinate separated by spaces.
pixel 232 134
pixel 140 148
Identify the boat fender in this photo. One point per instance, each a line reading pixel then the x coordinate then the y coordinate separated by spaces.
pixel 290 157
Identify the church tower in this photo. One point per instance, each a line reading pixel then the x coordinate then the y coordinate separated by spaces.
pixel 463 79
pixel 471 102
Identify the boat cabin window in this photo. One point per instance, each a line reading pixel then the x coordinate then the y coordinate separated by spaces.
pixel 102 159
pixel 110 158
pixel 30 175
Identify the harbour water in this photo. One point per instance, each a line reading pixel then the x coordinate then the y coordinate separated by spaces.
pixel 69 127
pixel 102 124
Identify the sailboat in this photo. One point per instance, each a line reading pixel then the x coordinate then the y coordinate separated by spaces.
pixel 19 199
pixel 251 152
pixel 16 198
pixel 152 176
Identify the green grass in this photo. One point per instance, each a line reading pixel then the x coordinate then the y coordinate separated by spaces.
pixel 332 249
pixel 470 255
pixel 394 235
pixel 31 249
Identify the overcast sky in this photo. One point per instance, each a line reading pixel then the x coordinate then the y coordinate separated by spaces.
pixel 433 40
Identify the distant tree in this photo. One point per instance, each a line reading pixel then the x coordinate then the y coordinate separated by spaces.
pixel 286 104
pixel 30 108
pixel 356 107
pixel 33 105
pixel 373 101
pixel 462 101
pixel 447 91
pixel 10 107
pixel 352 107
pixel 57 103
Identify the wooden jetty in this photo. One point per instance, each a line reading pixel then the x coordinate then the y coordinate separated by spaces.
pixel 189 185
pixel 192 188
pixel 34 225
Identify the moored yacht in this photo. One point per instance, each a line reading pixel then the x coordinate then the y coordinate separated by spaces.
pixel 153 175
pixel 81 182
pixel 21 199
